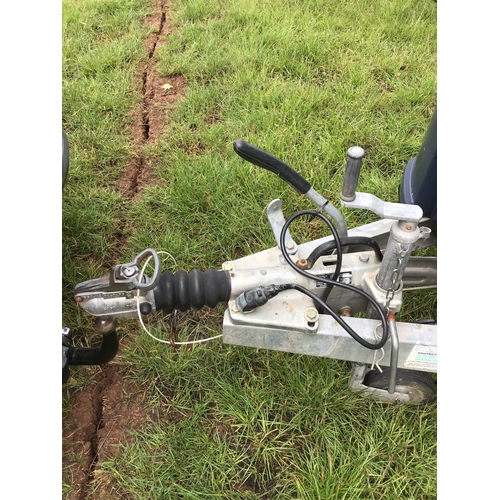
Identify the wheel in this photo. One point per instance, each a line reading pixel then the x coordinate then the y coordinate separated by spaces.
pixel 418 385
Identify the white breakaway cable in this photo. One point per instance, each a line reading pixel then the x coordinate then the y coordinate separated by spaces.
pixel 376 361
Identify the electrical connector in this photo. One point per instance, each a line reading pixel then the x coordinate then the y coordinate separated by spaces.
pixel 251 299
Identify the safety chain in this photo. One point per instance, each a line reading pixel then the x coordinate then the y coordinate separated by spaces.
pixel 403 250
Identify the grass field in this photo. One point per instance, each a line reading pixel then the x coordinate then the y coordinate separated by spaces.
pixel 305 81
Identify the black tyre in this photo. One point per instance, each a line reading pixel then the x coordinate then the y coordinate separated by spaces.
pixel 419 386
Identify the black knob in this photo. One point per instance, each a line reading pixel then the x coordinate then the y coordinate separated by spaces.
pixel 145 308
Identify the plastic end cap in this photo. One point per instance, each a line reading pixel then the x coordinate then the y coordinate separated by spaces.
pixel 356 152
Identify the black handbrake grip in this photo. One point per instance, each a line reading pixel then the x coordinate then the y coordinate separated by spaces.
pixel 266 160
pixel 351 176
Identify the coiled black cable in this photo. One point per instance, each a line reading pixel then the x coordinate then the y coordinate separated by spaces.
pixel 333 281
pixel 329 246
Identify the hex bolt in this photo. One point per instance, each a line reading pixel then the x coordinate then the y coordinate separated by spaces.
pixel 227 266
pixel 364 257
pixel 234 308
pixel 311 315
pixel 289 245
pixel 302 263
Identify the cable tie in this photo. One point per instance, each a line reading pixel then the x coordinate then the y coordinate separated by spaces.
pixel 320 209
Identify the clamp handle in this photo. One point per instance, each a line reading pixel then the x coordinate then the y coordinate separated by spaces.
pixel 266 160
pixel 123 277
pixel 351 176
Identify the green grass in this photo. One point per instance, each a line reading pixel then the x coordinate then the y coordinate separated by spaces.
pixel 269 425
pixel 304 81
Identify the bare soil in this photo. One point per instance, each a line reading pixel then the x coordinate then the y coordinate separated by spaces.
pixel 102 417
pixel 158 93
pixel 103 414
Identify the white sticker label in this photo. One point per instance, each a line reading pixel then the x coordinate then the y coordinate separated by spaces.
pixel 423 357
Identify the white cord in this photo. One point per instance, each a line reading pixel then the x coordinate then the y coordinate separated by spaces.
pixel 376 363
pixel 191 342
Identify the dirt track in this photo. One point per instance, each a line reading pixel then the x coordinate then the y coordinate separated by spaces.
pixel 103 413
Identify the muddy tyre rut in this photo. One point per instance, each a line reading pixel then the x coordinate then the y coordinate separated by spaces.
pixel 103 413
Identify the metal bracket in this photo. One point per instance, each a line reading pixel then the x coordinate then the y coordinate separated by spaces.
pixel 277 221
pixel 280 325
pixel 358 373
pixel 384 209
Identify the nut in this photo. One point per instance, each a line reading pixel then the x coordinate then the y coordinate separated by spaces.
pixel 345 311
pixel 302 263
